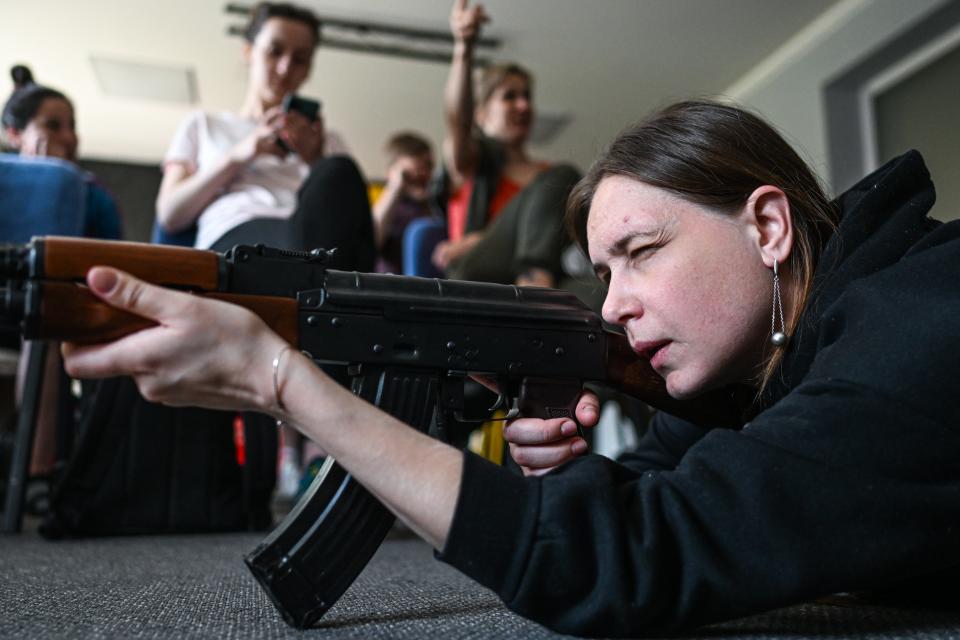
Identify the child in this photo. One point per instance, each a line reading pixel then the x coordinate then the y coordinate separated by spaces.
pixel 404 197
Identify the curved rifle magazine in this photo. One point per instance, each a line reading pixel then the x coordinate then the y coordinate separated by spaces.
pixel 319 549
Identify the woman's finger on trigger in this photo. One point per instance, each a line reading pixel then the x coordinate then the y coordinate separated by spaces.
pixel 588 409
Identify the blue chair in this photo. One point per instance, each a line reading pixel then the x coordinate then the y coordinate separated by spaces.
pixel 185 238
pixel 38 196
pixel 420 238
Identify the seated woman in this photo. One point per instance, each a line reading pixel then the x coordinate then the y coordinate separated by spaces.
pixel 40 122
pixel 504 208
pixel 262 174
pixel 834 326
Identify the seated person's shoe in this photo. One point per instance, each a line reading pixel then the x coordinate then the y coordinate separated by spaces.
pixel 36 500
pixel 288 480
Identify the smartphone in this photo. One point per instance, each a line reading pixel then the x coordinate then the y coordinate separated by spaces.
pixel 304 106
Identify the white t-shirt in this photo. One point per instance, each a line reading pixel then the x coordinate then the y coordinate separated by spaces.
pixel 266 188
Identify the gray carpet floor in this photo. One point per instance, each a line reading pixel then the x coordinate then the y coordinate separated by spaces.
pixel 198 587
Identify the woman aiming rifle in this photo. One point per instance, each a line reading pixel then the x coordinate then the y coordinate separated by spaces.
pixel 834 325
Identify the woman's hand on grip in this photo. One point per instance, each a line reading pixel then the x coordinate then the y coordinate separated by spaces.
pixel 539 446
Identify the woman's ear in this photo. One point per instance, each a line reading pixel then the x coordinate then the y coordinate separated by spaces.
pixel 768 212
pixel 246 51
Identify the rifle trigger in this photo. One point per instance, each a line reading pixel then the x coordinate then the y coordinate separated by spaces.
pixel 503 388
pixel 501 402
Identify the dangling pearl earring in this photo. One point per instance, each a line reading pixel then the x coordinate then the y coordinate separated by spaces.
pixel 777 338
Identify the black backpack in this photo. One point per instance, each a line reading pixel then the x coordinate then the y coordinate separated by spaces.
pixel 141 467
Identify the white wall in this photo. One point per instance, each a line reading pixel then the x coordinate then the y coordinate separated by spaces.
pixel 787 87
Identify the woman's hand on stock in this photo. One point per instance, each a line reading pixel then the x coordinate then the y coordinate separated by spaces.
pixel 539 446
pixel 304 137
pixel 202 352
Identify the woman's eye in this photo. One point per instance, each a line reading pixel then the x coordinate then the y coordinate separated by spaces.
pixel 642 255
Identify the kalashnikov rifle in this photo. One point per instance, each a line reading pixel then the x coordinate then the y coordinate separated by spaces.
pixel 409 344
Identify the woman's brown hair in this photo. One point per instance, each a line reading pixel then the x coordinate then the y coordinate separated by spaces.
pixel 263 11
pixel 716 155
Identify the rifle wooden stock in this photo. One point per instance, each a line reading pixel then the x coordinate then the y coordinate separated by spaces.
pixel 72 313
pixel 72 258
pixel 635 377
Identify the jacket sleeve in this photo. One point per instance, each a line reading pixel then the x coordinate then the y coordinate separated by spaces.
pixel 848 483
pixel 748 521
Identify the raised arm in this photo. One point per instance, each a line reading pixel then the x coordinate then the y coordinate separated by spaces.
pixel 208 353
pixel 459 148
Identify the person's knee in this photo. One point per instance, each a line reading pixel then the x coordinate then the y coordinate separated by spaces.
pixel 339 167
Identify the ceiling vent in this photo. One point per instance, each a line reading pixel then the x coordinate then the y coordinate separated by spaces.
pixel 160 83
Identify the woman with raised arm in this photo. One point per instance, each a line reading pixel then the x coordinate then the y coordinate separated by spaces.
pixel 263 174
pixel 834 326
pixel 504 208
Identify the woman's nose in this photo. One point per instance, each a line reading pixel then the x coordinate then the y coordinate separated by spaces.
pixel 620 305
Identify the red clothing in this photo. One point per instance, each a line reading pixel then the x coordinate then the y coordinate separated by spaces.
pixel 459 204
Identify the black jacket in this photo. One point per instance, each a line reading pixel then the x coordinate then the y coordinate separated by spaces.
pixel 847 480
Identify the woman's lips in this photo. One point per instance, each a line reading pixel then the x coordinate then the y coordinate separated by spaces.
pixel 655 351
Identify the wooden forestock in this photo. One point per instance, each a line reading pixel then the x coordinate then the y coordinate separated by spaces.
pixel 70 312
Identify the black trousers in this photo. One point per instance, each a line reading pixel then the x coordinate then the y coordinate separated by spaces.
pixel 333 211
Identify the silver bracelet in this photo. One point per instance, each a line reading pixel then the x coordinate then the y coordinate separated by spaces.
pixel 276 380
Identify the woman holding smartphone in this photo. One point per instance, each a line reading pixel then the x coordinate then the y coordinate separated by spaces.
pixel 266 173
pixel 269 173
